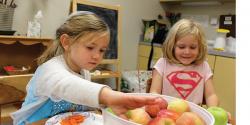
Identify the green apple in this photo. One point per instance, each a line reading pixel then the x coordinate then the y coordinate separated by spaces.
pixel 220 115
pixel 110 110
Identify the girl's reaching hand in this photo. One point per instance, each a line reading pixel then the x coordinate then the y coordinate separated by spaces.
pixel 120 102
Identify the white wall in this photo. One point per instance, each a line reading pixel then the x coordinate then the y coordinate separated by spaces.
pixel 22 14
pixel 212 11
pixel 55 11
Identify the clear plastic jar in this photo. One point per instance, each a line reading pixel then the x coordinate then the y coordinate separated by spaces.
pixel 220 41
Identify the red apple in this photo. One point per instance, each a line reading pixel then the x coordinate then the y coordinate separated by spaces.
pixel 190 118
pixel 138 115
pixel 152 110
pixel 179 105
pixel 162 103
pixel 168 114
pixel 161 121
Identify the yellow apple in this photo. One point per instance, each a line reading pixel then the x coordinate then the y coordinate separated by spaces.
pixel 190 118
pixel 161 121
pixel 138 115
pixel 180 106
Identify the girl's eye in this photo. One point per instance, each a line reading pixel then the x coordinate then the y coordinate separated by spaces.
pixel 181 47
pixel 103 50
pixel 193 47
pixel 90 48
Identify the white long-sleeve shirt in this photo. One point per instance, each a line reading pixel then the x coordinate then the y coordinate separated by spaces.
pixel 56 81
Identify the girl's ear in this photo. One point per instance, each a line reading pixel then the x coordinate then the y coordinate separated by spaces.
pixel 65 41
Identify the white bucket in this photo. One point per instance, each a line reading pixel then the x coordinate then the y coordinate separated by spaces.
pixel 111 119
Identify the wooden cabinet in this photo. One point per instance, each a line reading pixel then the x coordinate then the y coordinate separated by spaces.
pixel 211 61
pixel 18 51
pixel 224 80
pixel 143 55
pixel 21 51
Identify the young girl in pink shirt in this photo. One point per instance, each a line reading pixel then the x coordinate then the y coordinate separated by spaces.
pixel 183 71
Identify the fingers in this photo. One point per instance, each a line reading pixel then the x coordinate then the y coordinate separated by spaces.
pixel 229 117
pixel 148 100
pixel 140 101
pixel 123 116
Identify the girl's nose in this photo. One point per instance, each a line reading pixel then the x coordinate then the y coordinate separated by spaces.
pixel 96 55
pixel 187 51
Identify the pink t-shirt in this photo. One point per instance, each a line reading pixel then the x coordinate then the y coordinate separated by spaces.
pixel 186 82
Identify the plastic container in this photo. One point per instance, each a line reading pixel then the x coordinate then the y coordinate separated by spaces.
pixel 220 42
pixel 111 119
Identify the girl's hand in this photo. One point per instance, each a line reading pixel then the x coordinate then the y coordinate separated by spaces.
pixel 120 102
pixel 229 116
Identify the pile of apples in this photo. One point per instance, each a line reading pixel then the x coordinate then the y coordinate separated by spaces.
pixel 176 112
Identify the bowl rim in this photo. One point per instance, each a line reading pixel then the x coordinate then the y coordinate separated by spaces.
pixel 211 118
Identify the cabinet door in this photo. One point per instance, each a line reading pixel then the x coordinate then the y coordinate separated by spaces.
pixel 143 55
pixel 143 63
pixel 157 53
pixel 144 50
pixel 211 61
pixel 224 82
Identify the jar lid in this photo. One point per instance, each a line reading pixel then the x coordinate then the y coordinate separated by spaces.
pixel 223 30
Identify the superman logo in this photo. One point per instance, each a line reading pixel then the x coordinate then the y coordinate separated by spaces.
pixel 184 81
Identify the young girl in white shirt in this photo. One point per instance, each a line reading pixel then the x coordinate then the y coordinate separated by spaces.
pixel 62 83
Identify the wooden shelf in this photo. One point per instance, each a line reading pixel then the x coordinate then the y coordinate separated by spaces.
pixel 107 74
pixel 24 40
pixel 104 74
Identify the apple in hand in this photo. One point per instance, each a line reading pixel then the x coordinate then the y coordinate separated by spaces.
pixel 161 121
pixel 152 110
pixel 190 118
pixel 179 105
pixel 220 115
pixel 138 115
pixel 168 114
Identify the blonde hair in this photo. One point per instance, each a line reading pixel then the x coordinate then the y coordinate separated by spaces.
pixel 77 25
pixel 180 29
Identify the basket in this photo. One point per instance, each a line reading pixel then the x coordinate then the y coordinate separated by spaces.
pixel 111 119
pixel 17 70
pixel 6 17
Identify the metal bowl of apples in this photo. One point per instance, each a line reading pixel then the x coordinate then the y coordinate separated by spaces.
pixel 171 111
